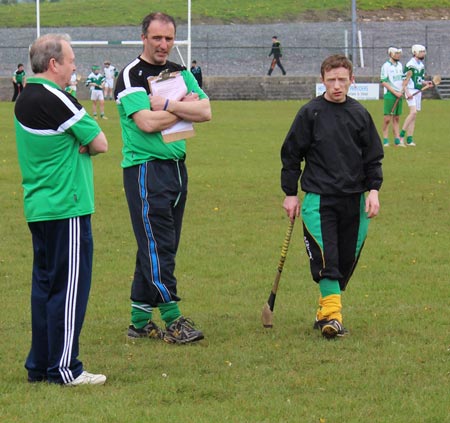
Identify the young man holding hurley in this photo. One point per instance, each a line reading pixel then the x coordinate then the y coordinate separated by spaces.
pixel 336 138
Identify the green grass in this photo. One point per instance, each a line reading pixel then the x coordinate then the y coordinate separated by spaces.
pixel 113 12
pixel 393 368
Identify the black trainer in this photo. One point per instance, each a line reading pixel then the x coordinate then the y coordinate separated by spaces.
pixel 330 328
pixel 150 330
pixel 182 331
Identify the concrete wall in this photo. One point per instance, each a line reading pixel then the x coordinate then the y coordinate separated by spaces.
pixel 238 88
pixel 259 87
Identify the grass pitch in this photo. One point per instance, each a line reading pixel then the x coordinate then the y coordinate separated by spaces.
pixel 392 368
pixel 71 13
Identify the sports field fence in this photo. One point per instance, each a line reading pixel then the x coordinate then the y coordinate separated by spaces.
pixel 242 50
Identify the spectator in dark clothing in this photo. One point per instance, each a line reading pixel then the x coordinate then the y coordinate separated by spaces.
pixel 277 55
pixel 197 72
pixel 18 80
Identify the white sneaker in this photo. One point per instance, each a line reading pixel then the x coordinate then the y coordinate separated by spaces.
pixel 400 144
pixel 411 144
pixel 88 379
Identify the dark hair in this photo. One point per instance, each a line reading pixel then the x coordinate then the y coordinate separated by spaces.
pixel 336 61
pixel 157 16
pixel 19 65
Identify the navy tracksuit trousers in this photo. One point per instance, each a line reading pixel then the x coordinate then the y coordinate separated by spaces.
pixel 156 193
pixel 61 280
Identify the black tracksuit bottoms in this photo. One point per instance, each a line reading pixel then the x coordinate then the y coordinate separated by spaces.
pixel 156 193
pixel 335 229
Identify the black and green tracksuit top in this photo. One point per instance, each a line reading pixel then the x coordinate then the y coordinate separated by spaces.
pixel 340 146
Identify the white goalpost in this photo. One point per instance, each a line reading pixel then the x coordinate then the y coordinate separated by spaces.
pixel 137 43
pixel 178 43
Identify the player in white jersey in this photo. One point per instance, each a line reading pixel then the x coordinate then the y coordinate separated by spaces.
pixel 416 68
pixel 96 82
pixel 110 73
pixel 72 87
pixel 392 80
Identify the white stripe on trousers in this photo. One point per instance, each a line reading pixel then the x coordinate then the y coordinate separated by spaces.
pixel 71 299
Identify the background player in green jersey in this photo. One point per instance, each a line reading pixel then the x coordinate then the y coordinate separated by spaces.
pixel 413 96
pixel 96 83
pixel 18 80
pixel 392 81
pixel 72 88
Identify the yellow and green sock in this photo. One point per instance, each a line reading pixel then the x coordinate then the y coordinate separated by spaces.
pixel 330 305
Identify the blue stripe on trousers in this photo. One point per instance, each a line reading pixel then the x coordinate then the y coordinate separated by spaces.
pixel 152 251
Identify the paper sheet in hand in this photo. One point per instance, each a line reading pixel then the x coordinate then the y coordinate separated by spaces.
pixel 173 88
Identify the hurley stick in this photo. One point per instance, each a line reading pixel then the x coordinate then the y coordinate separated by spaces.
pixel 405 83
pixel 267 312
pixel 436 81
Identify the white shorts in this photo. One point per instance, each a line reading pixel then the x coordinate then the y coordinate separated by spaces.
pixel 97 95
pixel 109 83
pixel 416 101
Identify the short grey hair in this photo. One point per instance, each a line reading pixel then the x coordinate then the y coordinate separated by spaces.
pixel 44 49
